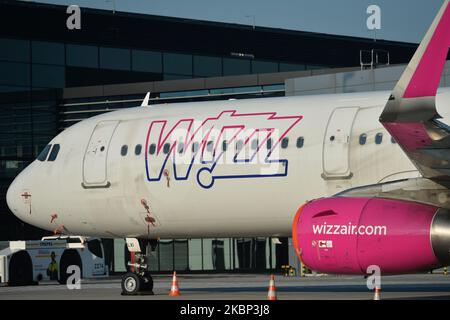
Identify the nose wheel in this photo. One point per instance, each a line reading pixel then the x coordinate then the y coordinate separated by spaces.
pixel 137 284
pixel 131 284
pixel 139 281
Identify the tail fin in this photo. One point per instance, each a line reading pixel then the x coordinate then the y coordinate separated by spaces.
pixel 145 102
pixel 413 98
pixel 410 115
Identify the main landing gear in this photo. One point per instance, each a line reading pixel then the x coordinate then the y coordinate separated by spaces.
pixel 139 280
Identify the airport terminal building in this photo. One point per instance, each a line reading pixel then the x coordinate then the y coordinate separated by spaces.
pixel 52 77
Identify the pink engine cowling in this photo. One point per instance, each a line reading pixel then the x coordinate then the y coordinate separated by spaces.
pixel 346 235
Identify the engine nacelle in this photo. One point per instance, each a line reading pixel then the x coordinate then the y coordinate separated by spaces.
pixel 346 235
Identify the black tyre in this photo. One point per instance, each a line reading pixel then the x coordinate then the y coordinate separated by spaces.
pixel 147 282
pixel 131 284
pixel 69 258
pixel 20 269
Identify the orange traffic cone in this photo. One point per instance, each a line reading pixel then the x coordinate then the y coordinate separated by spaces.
pixel 174 290
pixel 272 294
pixel 377 295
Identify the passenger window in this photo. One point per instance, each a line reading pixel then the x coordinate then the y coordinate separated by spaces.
pixel 166 148
pixel 138 149
pixel 209 146
pixel 362 139
pixel 54 153
pixel 44 153
pixel 269 143
pixel 285 143
pixel 195 147
pixel 255 144
pixel 124 150
pixel 224 146
pixel 393 140
pixel 300 142
pixel 379 138
pixel 152 149
pixel 239 145
pixel 180 147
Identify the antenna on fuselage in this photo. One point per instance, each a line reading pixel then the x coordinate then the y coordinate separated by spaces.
pixel 145 102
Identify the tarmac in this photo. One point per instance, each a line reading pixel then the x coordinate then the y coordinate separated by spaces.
pixel 246 287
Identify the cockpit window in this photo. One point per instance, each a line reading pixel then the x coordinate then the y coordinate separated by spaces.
pixel 54 153
pixel 44 153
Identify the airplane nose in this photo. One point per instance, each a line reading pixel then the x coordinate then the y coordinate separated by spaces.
pixel 17 197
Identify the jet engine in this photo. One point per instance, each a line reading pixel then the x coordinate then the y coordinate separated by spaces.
pixel 346 235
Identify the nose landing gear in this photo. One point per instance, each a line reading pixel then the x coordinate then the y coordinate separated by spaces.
pixel 139 280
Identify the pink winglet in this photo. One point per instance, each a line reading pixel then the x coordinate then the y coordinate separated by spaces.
pixel 410 136
pixel 427 76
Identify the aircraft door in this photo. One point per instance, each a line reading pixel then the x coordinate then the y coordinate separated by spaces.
pixel 95 158
pixel 336 144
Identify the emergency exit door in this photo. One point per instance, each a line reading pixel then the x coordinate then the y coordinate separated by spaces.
pixel 336 144
pixel 95 173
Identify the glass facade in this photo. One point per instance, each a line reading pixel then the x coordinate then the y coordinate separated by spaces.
pixel 147 61
pixel 47 52
pixel 15 74
pixel 14 50
pixel 175 63
pixel 82 56
pixel 234 66
pixel 264 67
pixel 35 65
pixel 115 58
pixel 207 66
pixel 47 76
pixel 205 255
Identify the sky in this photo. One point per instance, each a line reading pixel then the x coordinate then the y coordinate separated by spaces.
pixel 401 20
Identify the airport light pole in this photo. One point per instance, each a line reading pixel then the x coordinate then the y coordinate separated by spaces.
pixel 114 5
pixel 254 19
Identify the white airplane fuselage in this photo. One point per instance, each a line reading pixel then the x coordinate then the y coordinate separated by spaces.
pixel 92 189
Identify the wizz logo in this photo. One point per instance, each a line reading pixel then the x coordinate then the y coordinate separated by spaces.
pixel 230 146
